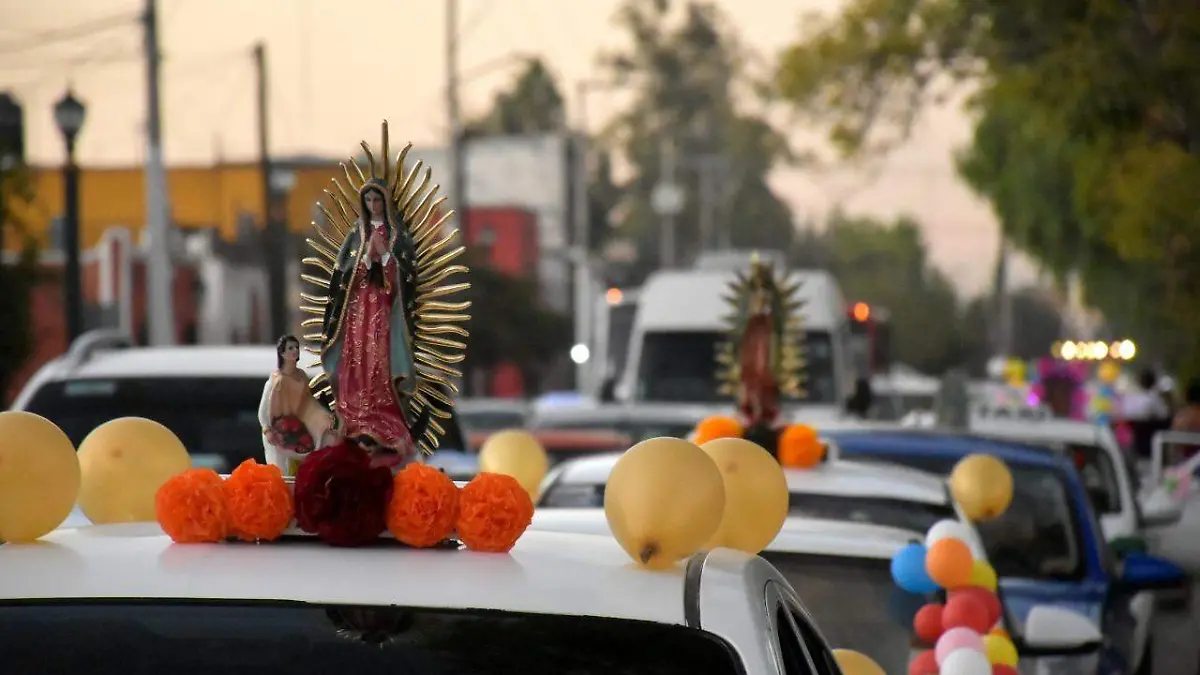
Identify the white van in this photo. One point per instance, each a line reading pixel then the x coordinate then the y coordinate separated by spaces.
pixel 678 327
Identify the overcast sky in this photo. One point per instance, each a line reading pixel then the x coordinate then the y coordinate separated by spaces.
pixel 324 56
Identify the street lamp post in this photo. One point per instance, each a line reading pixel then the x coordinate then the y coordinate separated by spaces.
pixel 69 114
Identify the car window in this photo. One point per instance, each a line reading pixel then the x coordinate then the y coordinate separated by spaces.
pixel 1099 476
pixel 874 510
pixel 492 420
pixel 1038 537
pixel 637 430
pixel 791 648
pixel 855 603
pixel 300 639
pixel 572 496
pixel 215 417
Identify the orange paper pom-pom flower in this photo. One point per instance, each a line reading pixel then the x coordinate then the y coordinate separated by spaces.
pixel 493 512
pixel 259 501
pixel 424 506
pixel 799 447
pixel 191 507
pixel 717 426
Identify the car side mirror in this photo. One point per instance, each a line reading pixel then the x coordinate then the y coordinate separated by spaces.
pixel 1141 572
pixel 1055 631
pixel 1160 510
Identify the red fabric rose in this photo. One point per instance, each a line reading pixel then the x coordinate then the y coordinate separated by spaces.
pixel 340 497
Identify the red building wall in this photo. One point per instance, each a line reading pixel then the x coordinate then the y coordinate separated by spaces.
pixel 48 322
pixel 507 239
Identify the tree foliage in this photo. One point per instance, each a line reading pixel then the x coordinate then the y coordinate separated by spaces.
pixel 684 76
pixel 18 279
pixel 1088 135
pixel 533 104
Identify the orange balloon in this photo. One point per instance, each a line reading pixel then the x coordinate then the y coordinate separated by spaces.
pixel 800 447
pixel 949 563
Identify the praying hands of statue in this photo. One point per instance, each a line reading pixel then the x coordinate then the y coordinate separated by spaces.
pixel 378 245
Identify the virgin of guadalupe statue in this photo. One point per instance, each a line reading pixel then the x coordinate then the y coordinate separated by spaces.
pixel 291 417
pixel 389 336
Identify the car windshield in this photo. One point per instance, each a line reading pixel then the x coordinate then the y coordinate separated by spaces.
pixel 1099 476
pixel 301 639
pixel 216 418
pixel 855 603
pixel 681 367
pixel 637 430
pixel 492 420
pixel 899 513
pixel 1038 537
pixel 562 495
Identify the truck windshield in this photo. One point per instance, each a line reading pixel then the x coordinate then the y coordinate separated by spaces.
pixel 185 638
pixel 681 367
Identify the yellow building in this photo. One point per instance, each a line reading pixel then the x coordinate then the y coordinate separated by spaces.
pixel 200 197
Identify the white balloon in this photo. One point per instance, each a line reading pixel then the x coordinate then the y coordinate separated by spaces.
pixel 954 529
pixel 947 529
pixel 965 662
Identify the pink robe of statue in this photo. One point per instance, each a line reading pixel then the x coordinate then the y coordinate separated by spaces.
pixel 366 398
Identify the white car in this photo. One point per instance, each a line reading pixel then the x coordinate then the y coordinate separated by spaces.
pixel 1125 510
pixel 639 422
pixel 833 490
pixel 207 395
pixel 126 594
pixel 841 572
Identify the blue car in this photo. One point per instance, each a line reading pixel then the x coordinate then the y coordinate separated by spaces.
pixel 1048 547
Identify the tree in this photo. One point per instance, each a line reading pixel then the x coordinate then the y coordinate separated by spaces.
pixel 17 280
pixel 509 325
pixel 886 264
pixel 533 104
pixel 684 77
pixel 1039 319
pixel 1088 142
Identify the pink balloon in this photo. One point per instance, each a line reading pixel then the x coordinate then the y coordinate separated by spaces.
pixel 955 639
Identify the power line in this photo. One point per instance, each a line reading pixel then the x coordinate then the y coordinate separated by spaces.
pixel 45 38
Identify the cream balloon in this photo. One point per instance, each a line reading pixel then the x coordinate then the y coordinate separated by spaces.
pixel 518 454
pixel 756 495
pixel 124 462
pixel 851 662
pixel 39 476
pixel 982 485
pixel 663 501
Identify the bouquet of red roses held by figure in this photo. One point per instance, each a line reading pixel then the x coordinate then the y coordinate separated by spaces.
pixel 289 433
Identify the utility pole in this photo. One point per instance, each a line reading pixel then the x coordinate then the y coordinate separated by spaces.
pixel 274 240
pixel 668 201
pixel 458 169
pixel 159 282
pixel 585 298
pixel 1004 337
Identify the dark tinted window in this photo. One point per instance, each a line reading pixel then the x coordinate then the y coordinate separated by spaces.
pixel 1099 477
pixel 572 496
pixel 874 510
pixel 855 603
pixel 216 418
pixel 306 640
pixel 795 658
pixel 492 420
pixel 681 366
pixel 620 327
pixel 1038 537
pixel 638 430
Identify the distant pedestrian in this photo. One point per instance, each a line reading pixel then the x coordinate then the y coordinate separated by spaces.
pixel 1145 412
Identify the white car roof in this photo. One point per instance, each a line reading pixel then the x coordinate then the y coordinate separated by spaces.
pixel 547 572
pixel 222 361
pixel 1038 431
pixel 641 412
pixel 799 534
pixel 840 477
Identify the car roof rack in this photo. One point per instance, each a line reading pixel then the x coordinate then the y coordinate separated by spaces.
pixel 85 346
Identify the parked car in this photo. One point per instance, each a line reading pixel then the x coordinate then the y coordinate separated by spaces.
pixel 841 572
pixel 834 490
pixel 108 594
pixel 207 395
pixel 646 420
pixel 1049 547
